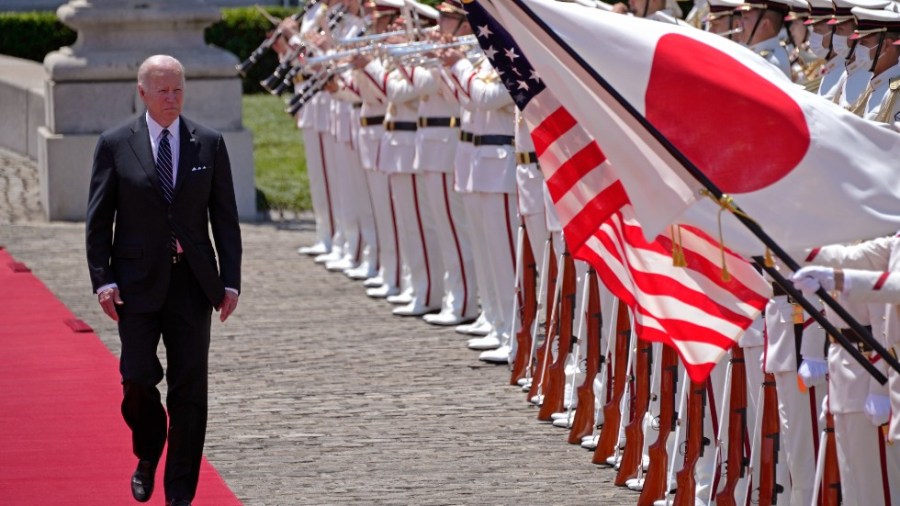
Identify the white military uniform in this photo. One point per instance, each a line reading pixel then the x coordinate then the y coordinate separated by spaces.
pixel 324 122
pixel 883 105
pixel 853 83
pixel 799 411
pixel 868 467
pixel 436 142
pixel 350 196
pixel 774 52
pixel 371 130
pixel 832 71
pixel 315 163
pixel 488 191
pixel 417 237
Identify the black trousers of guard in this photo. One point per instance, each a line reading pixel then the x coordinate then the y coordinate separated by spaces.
pixel 183 323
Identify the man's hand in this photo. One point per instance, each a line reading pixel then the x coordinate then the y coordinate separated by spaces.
pixel 812 371
pixel 812 277
pixel 229 303
pixel 450 56
pixel 360 60
pixel 109 299
pixel 878 409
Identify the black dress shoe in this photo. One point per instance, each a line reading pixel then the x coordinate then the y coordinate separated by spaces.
pixel 142 481
pixel 178 502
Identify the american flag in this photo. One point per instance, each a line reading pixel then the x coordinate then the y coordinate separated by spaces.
pixel 690 308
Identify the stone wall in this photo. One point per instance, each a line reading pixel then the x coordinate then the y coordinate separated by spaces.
pixel 21 104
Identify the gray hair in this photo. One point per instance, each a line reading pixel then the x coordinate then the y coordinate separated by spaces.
pixel 157 63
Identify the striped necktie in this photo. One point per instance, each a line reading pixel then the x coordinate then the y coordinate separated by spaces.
pixel 164 171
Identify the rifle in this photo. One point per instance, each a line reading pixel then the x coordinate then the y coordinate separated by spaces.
pixel 551 274
pixel 827 487
pixel 655 481
pixel 541 299
pixel 686 481
pixel 831 477
pixel 769 445
pixel 582 423
pixel 555 376
pixel 526 279
pixel 612 413
pixel 278 82
pixel 266 44
pixel 258 53
pixel 736 461
pixel 634 432
pixel 316 84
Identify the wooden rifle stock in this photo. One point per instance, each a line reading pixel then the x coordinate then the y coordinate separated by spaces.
pixel 831 478
pixel 527 311
pixel 769 444
pixel 632 457
pixel 555 382
pixel 655 481
pixel 736 461
pixel 539 354
pixel 686 482
pixel 609 434
pixel 583 423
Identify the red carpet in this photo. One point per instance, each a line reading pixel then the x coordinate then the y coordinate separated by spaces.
pixel 62 439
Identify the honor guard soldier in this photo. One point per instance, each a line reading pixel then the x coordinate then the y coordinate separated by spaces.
pixel 761 25
pixel 878 31
pixel 350 190
pixel 436 144
pixel 794 342
pixel 869 468
pixel 323 121
pixel 488 188
pixel 858 71
pixel 419 252
pixel 864 273
pixel 315 168
pixel 371 129
pixel 462 170
pixel 824 42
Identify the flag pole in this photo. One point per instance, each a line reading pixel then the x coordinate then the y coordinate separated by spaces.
pixel 725 201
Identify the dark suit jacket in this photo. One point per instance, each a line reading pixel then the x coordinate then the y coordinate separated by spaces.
pixel 129 221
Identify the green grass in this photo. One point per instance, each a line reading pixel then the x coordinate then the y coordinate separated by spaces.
pixel 277 154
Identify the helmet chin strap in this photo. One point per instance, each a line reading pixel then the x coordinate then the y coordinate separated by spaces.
pixel 877 51
pixel 831 53
pixel 459 24
pixel 755 26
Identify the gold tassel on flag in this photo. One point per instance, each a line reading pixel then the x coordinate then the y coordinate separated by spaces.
pixel 678 259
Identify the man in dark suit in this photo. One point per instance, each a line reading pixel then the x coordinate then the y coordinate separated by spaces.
pixel 159 183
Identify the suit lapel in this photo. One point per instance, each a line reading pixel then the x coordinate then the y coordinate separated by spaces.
pixel 140 144
pixel 187 153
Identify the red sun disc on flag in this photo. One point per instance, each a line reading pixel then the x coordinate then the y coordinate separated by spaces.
pixel 741 130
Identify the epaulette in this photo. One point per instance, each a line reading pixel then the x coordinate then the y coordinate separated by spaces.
pixel 895 84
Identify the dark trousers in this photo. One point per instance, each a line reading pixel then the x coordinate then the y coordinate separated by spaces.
pixel 183 323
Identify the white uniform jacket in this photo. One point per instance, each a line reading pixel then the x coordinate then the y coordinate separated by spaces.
pixel 493 114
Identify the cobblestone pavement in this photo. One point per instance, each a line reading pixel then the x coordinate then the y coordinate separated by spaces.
pixel 320 396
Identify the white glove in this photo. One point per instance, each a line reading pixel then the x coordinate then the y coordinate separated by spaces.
pixel 812 277
pixel 878 409
pixel 812 371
